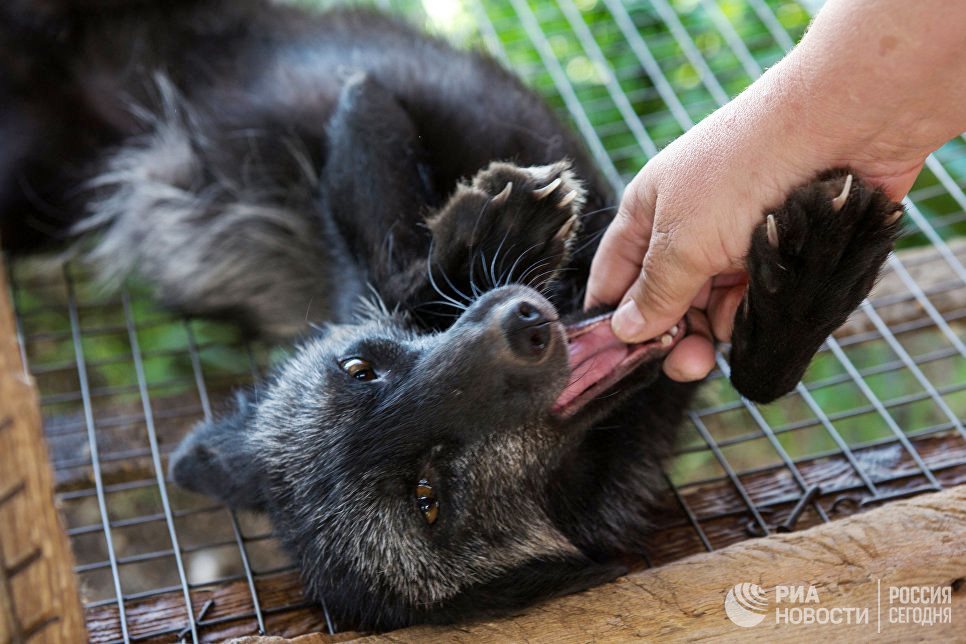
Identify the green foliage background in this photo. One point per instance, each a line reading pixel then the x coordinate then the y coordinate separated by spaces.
pixel 706 50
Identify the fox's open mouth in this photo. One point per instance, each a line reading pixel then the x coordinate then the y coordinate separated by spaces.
pixel 598 360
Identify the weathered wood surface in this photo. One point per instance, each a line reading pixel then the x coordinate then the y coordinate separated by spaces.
pixel 724 518
pixel 162 618
pixel 918 542
pixel 38 591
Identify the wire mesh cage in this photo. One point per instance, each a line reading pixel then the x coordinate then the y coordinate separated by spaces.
pixel 879 414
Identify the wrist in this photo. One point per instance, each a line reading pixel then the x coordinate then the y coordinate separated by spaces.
pixel 879 85
pixel 819 129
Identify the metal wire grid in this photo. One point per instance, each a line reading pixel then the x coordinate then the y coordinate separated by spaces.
pixel 62 400
pixel 140 539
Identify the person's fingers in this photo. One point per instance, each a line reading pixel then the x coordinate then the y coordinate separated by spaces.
pixel 704 296
pixel 731 278
pixel 721 310
pixel 618 258
pixel 693 358
pixel 663 292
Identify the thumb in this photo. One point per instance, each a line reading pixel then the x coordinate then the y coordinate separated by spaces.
pixel 660 296
pixel 617 260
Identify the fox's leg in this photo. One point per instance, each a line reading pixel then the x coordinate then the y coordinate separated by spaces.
pixel 375 183
pixel 507 223
pixel 811 263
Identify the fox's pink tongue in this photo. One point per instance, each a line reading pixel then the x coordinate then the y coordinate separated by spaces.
pixel 594 353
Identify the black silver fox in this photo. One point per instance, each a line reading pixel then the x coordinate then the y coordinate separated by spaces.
pixel 456 437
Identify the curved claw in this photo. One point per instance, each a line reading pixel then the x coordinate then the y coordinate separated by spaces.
pixel 542 193
pixel 839 201
pixel 564 233
pixel 772 231
pixel 568 198
pixel 500 198
pixel 894 217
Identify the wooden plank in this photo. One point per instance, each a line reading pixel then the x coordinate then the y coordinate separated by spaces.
pixel 38 590
pixel 159 619
pixel 725 519
pixel 914 543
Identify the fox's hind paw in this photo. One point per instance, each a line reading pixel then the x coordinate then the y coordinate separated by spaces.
pixel 511 224
pixel 812 262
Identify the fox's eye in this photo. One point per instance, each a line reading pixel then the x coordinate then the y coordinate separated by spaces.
pixel 426 501
pixel 358 368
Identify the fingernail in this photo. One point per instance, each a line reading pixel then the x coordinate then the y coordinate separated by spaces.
pixel 628 323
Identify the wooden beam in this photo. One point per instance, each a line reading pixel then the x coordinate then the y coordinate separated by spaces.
pixel 38 590
pixel 915 543
pixel 285 609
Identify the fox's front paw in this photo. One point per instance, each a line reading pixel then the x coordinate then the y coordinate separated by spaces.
pixel 812 262
pixel 511 224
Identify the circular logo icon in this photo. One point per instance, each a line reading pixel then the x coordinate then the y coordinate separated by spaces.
pixel 746 604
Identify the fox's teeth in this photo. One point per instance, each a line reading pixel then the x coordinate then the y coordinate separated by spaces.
pixel 674 330
pixel 666 340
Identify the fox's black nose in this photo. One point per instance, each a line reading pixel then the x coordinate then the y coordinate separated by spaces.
pixel 527 330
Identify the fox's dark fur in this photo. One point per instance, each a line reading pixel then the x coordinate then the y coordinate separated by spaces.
pixel 280 167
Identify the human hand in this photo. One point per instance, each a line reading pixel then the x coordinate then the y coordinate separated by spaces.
pixel 678 243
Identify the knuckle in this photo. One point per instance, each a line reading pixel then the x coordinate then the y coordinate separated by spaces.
pixel 657 291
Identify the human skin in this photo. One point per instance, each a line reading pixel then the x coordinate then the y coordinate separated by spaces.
pixel 876 85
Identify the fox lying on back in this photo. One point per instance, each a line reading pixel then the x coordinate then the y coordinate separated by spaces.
pixel 454 437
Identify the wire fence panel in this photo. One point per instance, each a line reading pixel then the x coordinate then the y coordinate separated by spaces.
pixel 878 415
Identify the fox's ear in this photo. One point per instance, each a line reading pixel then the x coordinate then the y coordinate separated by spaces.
pixel 218 459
